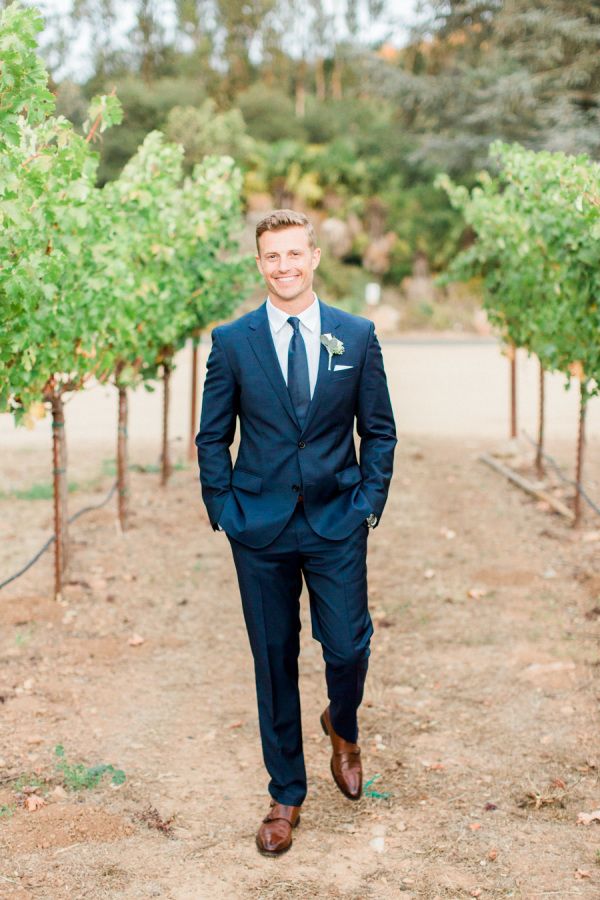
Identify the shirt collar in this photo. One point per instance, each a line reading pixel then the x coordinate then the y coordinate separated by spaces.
pixel 309 317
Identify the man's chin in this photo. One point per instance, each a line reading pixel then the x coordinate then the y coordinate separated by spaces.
pixel 288 296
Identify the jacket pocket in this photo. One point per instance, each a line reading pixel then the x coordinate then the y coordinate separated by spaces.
pixel 348 477
pixel 344 373
pixel 246 481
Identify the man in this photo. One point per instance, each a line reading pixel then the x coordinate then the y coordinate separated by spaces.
pixel 297 373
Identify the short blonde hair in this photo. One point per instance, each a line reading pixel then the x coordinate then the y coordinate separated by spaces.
pixel 286 218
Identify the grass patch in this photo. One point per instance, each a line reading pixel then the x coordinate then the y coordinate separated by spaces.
pixel 6 810
pixel 155 468
pixel 29 783
pixel 23 637
pixel 77 777
pixel 40 491
pixel 109 467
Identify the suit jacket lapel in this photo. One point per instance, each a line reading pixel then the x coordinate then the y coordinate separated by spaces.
pixel 260 339
pixel 329 322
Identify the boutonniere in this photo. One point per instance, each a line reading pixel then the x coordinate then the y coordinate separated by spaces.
pixel 333 346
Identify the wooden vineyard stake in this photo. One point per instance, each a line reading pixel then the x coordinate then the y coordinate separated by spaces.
pixel 512 358
pixel 194 403
pixel 539 456
pixel 165 460
pixel 60 488
pixel 580 452
pixel 122 473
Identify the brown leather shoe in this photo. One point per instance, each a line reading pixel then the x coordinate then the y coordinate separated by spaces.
pixel 275 834
pixel 346 765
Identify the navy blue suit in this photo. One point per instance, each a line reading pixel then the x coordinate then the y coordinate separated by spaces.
pixel 276 539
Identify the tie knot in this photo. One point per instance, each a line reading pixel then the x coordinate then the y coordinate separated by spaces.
pixel 295 323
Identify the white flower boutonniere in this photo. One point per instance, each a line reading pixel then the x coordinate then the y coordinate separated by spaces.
pixel 333 346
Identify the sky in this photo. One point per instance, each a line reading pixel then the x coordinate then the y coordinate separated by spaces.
pixel 77 66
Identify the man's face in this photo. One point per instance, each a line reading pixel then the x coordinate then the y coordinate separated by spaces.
pixel 287 262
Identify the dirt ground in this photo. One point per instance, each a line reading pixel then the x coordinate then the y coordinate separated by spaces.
pixel 479 726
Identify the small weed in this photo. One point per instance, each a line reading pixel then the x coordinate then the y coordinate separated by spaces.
pixel 28 784
pixel 77 777
pixel 6 810
pixel 22 637
pixel 371 792
pixel 598 857
pixel 109 467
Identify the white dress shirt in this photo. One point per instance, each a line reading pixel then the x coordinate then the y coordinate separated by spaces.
pixel 310 329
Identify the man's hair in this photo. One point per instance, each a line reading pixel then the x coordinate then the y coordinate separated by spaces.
pixel 286 218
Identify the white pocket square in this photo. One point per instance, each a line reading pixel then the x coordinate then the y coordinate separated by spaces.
pixel 338 367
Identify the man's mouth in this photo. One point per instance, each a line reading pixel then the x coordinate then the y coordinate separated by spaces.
pixel 286 279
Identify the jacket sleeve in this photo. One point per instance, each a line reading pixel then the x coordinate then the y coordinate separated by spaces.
pixel 220 404
pixel 376 427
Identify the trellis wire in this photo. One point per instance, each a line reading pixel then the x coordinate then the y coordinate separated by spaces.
pixel 51 540
pixel 554 465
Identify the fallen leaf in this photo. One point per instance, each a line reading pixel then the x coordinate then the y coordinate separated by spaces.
pixel 490 807
pixel 477 593
pixel 476 892
pixel 235 725
pixel 492 854
pixel 35 739
pixel 559 783
pixel 136 640
pixel 538 800
pixel 475 826
pixel 34 802
pixel 153 819
pixel 587 818
pixel 433 766
pixel 580 874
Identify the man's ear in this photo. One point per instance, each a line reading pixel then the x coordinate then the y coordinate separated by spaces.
pixel 316 257
pixel 259 265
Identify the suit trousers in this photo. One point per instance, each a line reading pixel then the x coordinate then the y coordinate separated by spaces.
pixel 270 581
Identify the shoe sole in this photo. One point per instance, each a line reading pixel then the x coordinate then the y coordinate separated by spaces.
pixel 274 853
pixel 336 782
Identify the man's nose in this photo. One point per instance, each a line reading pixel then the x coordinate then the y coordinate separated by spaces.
pixel 284 265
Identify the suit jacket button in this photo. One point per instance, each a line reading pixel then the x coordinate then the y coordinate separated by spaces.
pixel 296 487
pixel 301 444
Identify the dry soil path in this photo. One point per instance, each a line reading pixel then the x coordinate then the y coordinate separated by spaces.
pixel 480 715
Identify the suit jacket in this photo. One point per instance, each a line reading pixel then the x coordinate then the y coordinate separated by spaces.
pixel 277 459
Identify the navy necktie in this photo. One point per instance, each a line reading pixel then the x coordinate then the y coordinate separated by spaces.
pixel 298 380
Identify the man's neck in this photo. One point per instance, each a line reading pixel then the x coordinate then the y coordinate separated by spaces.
pixel 297 305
